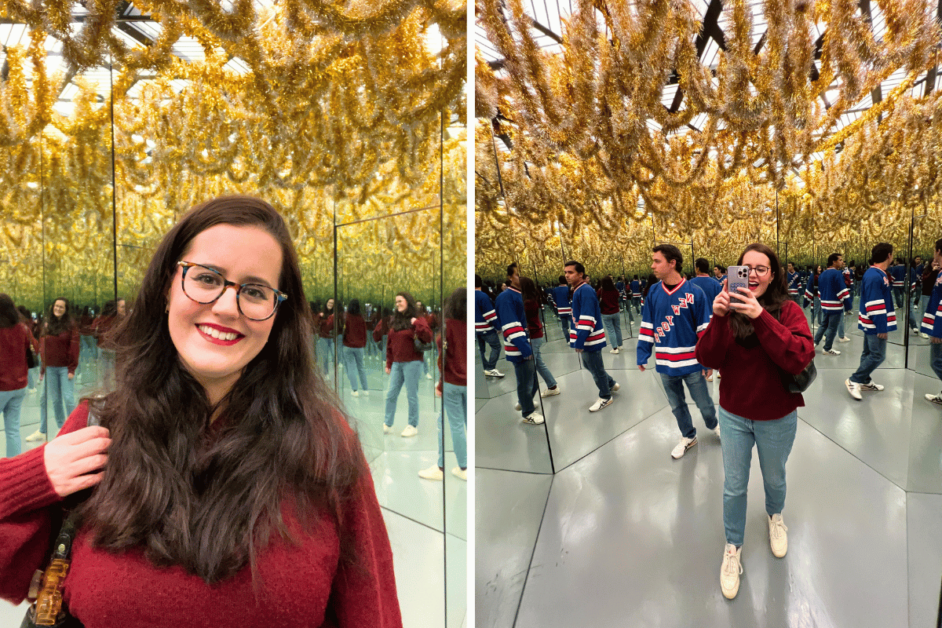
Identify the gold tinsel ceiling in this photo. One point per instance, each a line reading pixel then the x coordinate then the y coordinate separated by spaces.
pixel 590 135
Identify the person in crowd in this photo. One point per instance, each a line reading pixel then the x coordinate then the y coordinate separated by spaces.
pixel 452 386
pixel 835 300
pixel 404 361
pixel 711 287
pixel 812 296
pixel 876 319
pixel 635 286
pixel 423 313
pixel 111 315
pixel 373 317
pixel 622 297
pixel 354 346
pixel 794 282
pixel 512 319
pixel 930 273
pixel 15 341
pixel 932 319
pixel 563 298
pixel 381 331
pixel 755 335
pixel 485 329
pixel 26 319
pixel 587 335
pixel 326 334
pixel 913 290
pixel 59 349
pixel 608 297
pixel 86 327
pixel 897 275
pixel 675 314
pixel 719 272
pixel 532 308
pixel 222 466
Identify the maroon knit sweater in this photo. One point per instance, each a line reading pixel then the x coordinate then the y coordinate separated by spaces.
pixel 401 344
pixel 302 585
pixel 354 333
pixel 61 350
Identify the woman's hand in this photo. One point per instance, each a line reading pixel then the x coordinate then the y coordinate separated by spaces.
pixel 721 302
pixel 387 370
pixel 412 322
pixel 748 304
pixel 71 375
pixel 70 459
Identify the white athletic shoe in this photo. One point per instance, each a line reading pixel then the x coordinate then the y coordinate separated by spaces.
pixel 936 399
pixel 709 378
pixel 493 373
pixel 615 351
pixel 716 430
pixel 386 428
pixel 550 392
pixel 730 571
pixel 354 394
pixel 923 335
pixel 831 352
pixel 432 473
pixel 601 403
pixel 843 339
pixel 534 419
pixel 461 474
pixel 409 432
pixel 872 387
pixel 853 388
pixel 37 435
pixel 616 387
pixel 683 446
pixel 778 538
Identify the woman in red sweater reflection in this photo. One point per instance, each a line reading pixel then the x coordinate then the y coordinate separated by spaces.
pixel 403 362
pixel 230 489
pixel 354 343
pixel 757 339
pixel 59 346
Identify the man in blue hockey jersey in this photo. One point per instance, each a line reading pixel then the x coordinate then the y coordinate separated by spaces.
pixel 563 301
pixel 835 300
pixel 485 329
pixel 587 335
pixel 932 324
pixel 635 286
pixel 877 318
pixel 711 287
pixel 897 275
pixel 513 325
pixel 675 315
pixel 794 283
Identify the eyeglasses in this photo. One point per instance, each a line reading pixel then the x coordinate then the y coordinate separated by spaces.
pixel 760 271
pixel 205 285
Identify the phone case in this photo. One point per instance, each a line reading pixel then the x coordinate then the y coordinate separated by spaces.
pixel 737 276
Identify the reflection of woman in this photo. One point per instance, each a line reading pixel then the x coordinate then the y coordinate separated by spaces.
pixel 403 362
pixel 532 307
pixel 354 341
pixel 752 338
pixel 15 340
pixel 326 335
pixel 59 346
pixel 111 315
pixel 454 389
pixel 27 320
pixel 231 485
pixel 611 317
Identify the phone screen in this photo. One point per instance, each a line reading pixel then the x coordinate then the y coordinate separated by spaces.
pixel 736 277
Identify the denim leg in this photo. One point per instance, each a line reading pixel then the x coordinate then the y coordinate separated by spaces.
pixel 67 387
pixel 923 304
pixel 564 326
pixel 358 358
pixel 541 368
pixel 774 440
pixel 493 341
pixel 592 360
pixel 674 387
pixel 43 394
pixel 609 324
pixel 323 354
pixel 935 359
pixel 11 402
pixel 31 377
pixel 455 404
pixel 348 360
pixel 396 380
pixel 873 355
pixel 831 319
pixel 55 391
pixel 738 439
pixel 817 310
pixel 913 309
pixel 411 372
pixel 525 370
pixel 482 347
pixel 840 326
pixel 697 385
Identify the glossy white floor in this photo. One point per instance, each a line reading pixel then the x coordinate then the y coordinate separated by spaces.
pixel 412 507
pixel 623 535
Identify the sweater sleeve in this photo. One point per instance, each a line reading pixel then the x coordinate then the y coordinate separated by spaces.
pixel 646 333
pixel 27 506
pixel 74 348
pixel 843 292
pixel 583 318
pixel 378 330
pixel 713 343
pixel 931 321
pixel 788 343
pixel 422 330
pixel 874 301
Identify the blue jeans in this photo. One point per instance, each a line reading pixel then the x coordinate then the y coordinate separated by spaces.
pixel 898 296
pixel 612 324
pixel 536 344
pixel 31 376
pixel 57 384
pixel 489 339
pixel 11 402
pixel 874 353
pixel 564 325
pixel 774 440
pixel 696 383
pixel 592 361
pixel 325 353
pixel 818 315
pixel 636 302
pixel 455 404
pixel 923 304
pixel 527 385
pixel 353 358
pixel 913 313
pixel 404 373
pixel 832 321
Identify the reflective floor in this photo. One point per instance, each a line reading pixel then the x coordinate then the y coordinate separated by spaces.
pixel 623 535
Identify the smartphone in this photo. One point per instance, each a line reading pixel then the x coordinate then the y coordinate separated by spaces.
pixel 737 277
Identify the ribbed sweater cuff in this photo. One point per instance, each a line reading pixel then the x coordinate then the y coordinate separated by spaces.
pixel 24 485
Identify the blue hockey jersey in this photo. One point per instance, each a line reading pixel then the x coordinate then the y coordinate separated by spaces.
pixel 711 287
pixel 485 318
pixel 561 296
pixel 794 284
pixel 876 303
pixel 811 290
pixel 671 323
pixel 932 319
pixel 635 289
pixel 513 325
pixel 585 329
pixel 835 295
pixel 898 275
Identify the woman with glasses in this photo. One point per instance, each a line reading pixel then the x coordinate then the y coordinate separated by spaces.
pixel 758 338
pixel 403 361
pixel 228 484
pixel 59 346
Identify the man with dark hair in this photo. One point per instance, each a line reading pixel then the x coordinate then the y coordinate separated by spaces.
pixel 485 329
pixel 932 321
pixel 512 319
pixel 897 275
pixel 720 273
pixel 587 335
pixel 622 297
pixel 711 288
pixel 636 294
pixel 793 278
pixel 877 318
pixel 835 300
pixel 675 314
pixel 563 305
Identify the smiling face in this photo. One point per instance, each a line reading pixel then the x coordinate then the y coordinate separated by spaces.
pixel 758 283
pixel 401 304
pixel 58 308
pixel 238 253
pixel 330 305
pixel 122 307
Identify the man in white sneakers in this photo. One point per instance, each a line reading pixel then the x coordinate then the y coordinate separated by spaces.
pixel 932 324
pixel 513 324
pixel 485 329
pixel 674 316
pixel 877 318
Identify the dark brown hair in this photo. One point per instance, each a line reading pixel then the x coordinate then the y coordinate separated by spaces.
pixel 9 316
pixel 56 325
pixel 771 300
pixel 528 289
pixel 456 305
pixel 403 320
pixel 211 504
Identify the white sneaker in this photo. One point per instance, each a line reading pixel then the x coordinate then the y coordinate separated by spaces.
pixel 716 430
pixel 550 392
pixel 354 394
pixel 843 339
pixel 428 376
pixel 432 473
pixel 365 393
pixel 831 352
pixel 936 399
pixel 517 407
pixel 616 387
pixel 709 378
pixel 718 376
pixel 493 373
pixel 386 428
pixel 853 388
pixel 534 419
pixel 615 351
pixel 37 435
pixel 923 335
pixel 601 403
pixel 683 446
pixel 461 474
pixel 872 386
pixel 777 537
pixel 730 571
pixel 409 432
